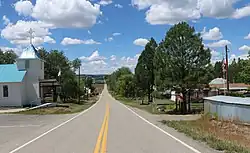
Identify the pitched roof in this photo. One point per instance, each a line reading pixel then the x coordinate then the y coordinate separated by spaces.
pixel 231 86
pixel 30 53
pixel 9 73
pixel 218 81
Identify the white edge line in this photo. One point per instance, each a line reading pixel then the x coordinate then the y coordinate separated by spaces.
pixel 58 126
pixel 183 143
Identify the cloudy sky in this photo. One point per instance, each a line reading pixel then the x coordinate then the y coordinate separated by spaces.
pixel 107 34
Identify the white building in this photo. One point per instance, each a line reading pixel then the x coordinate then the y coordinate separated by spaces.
pixel 19 82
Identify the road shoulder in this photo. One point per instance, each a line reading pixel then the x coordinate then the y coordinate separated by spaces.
pixel 156 120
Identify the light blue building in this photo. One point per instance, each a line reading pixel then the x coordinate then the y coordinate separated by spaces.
pixel 19 82
pixel 228 108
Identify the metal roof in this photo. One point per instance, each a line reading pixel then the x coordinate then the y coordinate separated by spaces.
pixel 230 100
pixel 218 81
pixel 9 73
pixel 29 53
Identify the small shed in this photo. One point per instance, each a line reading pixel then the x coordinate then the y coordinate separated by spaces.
pixel 228 108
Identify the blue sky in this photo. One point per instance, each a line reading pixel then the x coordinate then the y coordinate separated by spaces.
pixel 107 34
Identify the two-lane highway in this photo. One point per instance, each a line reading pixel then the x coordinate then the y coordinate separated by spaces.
pixel 108 126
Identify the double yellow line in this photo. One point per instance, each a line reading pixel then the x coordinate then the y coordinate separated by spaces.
pixel 101 144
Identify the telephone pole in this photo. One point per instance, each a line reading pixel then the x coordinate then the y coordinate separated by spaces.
pixel 79 92
pixel 227 74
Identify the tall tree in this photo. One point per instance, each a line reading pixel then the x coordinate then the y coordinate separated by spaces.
pixel 144 70
pixel 186 58
pixel 76 64
pixel 7 57
pixel 218 72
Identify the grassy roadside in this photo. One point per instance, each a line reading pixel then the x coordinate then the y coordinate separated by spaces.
pixel 69 108
pixel 215 137
pixel 66 108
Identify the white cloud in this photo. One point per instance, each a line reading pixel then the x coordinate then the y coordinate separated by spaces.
pixel 112 57
pixel 116 34
pixel 242 12
pixel 244 48
pixel 89 32
pixel 6 21
pixel 216 8
pixel 174 11
pixel 72 41
pixel 118 6
pixel 17 50
pixel 167 13
pixel 236 57
pixel 67 13
pixel 216 56
pixel 220 43
pixel 140 42
pixel 96 64
pixel 23 7
pixel 50 40
pixel 93 57
pixel 105 2
pixel 18 33
pixel 247 37
pixel 109 39
pixel 212 34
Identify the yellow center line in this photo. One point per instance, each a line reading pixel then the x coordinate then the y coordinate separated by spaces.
pixel 102 138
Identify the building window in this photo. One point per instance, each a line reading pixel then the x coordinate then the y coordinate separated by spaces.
pixel 41 65
pixel 27 64
pixel 5 91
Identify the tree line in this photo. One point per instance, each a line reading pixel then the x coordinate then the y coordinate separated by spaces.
pixel 179 62
pixel 239 70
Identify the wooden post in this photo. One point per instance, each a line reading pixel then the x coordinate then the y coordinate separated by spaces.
pixel 79 92
pixel 227 74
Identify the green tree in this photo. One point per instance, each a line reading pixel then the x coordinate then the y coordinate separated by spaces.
pixel 145 69
pixel 163 78
pixel 56 61
pixel 186 58
pixel 115 80
pixel 244 68
pixel 76 64
pixel 126 86
pixel 7 57
pixel 218 73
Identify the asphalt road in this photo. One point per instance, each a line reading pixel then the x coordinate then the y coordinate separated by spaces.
pixel 108 126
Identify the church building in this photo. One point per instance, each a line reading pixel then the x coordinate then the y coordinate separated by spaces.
pixel 19 82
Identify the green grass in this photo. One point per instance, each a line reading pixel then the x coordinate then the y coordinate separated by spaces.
pixel 72 108
pixel 212 140
pixel 151 108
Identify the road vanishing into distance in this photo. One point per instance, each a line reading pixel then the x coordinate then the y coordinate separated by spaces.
pixel 108 126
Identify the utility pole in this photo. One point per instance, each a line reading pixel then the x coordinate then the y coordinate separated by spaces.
pixel 227 74
pixel 79 95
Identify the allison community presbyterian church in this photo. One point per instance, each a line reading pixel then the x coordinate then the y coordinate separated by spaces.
pixel 19 82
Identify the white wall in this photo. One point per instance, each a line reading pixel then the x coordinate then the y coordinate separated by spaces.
pixel 34 73
pixel 14 96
